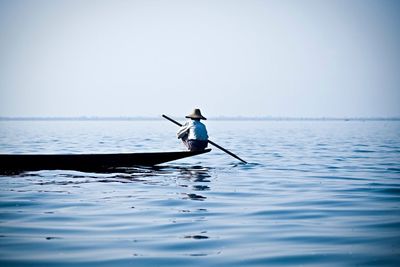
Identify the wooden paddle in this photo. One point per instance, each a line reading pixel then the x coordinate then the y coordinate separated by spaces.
pixel 209 141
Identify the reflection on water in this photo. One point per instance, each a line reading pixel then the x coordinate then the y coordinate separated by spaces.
pixel 198 176
pixel 196 197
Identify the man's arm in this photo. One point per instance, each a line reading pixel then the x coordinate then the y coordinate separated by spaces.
pixel 183 130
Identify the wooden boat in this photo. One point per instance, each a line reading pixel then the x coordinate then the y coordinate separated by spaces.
pixel 22 162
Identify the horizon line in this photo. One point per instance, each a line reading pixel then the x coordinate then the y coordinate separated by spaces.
pixel 218 118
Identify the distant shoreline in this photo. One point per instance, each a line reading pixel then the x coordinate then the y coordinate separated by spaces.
pixel 220 118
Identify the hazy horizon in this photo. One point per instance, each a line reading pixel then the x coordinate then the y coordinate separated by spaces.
pixel 299 59
pixel 181 118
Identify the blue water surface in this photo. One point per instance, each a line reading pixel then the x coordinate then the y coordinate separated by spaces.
pixel 315 193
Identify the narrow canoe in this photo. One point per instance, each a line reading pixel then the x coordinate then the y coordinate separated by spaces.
pixel 22 162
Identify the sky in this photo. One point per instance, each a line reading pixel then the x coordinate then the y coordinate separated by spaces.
pixel 283 58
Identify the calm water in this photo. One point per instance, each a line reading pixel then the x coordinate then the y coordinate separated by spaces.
pixel 315 193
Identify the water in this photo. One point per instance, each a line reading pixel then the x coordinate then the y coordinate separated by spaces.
pixel 322 193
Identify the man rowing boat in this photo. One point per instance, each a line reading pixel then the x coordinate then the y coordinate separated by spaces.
pixel 194 133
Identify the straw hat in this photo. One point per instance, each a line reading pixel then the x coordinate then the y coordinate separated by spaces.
pixel 196 114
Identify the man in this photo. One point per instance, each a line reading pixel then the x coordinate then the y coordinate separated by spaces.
pixel 194 133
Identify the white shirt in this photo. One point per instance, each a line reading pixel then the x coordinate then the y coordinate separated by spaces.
pixel 195 130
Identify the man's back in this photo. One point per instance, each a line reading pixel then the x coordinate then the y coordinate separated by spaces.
pixel 197 130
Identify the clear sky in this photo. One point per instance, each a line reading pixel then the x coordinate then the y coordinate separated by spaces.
pixel 299 58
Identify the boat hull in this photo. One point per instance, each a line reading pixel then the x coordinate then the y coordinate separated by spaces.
pixel 13 162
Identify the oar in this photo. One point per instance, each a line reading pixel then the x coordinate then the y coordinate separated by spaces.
pixel 209 141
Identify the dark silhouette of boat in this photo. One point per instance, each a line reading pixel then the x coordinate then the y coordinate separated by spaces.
pixel 88 162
